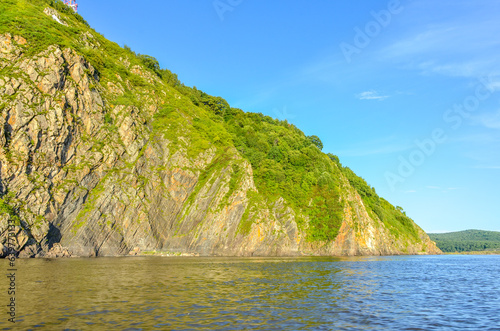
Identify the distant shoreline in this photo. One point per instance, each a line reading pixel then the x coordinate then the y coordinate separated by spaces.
pixel 473 253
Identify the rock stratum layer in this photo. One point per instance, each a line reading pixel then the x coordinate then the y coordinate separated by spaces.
pixel 100 155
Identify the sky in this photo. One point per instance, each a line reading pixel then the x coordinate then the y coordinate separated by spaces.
pixel 406 93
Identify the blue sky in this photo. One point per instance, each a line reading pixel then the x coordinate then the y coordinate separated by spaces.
pixel 406 93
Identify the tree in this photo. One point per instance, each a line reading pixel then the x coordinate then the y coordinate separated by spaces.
pixel 218 105
pixel 316 141
pixel 334 158
pixel 150 62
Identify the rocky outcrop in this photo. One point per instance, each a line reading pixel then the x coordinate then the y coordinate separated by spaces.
pixel 83 173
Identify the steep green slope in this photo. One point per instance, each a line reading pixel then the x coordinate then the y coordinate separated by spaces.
pixel 104 151
pixel 290 164
pixel 467 241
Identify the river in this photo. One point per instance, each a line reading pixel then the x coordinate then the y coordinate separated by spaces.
pixel 445 292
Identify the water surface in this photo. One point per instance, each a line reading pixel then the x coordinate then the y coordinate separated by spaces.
pixel 364 293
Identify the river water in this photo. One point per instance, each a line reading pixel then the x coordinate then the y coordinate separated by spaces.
pixel 159 293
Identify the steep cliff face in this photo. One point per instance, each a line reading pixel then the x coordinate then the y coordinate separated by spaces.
pixel 113 160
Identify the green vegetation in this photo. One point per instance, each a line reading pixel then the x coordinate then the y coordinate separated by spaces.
pixel 7 209
pixel 394 218
pixel 285 162
pixel 467 241
pixel 26 18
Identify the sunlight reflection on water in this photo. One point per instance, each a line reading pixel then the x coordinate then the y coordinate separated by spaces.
pixel 371 293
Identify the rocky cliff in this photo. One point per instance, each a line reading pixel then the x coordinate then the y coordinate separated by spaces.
pixel 100 155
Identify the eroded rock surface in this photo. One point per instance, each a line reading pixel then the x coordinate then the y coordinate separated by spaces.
pixel 87 177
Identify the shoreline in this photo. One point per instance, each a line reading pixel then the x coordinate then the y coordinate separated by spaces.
pixel 193 255
pixel 197 255
pixel 473 253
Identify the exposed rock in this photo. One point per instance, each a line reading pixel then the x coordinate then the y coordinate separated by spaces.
pixel 10 48
pixel 88 40
pixel 88 177
pixel 135 251
pixel 57 251
pixel 54 15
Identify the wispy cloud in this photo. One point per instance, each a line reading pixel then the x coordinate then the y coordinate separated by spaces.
pixel 489 120
pixel 460 69
pixel 459 46
pixel 420 42
pixel 479 138
pixel 371 95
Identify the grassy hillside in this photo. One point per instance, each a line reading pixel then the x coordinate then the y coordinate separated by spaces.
pixel 286 163
pixel 466 241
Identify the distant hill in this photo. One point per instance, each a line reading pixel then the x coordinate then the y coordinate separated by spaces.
pixel 466 241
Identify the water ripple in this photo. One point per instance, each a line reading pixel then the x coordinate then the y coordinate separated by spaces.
pixel 143 293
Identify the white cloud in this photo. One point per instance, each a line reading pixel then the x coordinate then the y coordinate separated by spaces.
pixel 460 46
pixel 371 95
pixel 481 138
pixel 461 69
pixel 489 120
pixel 432 39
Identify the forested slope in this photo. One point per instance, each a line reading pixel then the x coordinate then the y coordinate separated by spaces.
pixel 102 152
